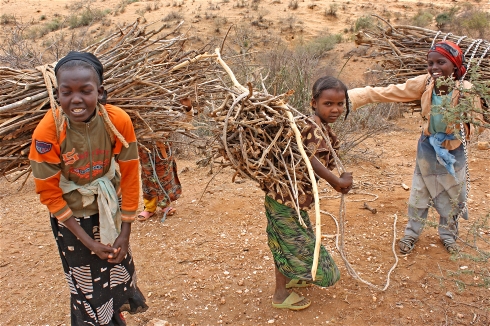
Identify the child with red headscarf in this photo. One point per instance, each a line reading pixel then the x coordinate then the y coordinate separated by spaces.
pixel 439 176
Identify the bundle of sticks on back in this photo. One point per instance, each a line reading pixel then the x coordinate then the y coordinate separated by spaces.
pixel 260 137
pixel 148 73
pixel 256 139
pixel 403 51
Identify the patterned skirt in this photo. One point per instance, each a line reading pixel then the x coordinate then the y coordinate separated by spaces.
pixel 159 175
pixel 98 288
pixel 292 245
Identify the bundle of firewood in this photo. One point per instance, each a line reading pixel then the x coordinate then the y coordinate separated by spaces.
pixel 259 135
pixel 148 73
pixel 402 51
pixel 256 138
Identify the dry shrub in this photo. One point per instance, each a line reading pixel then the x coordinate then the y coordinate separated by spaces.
pixel 188 148
pixel 295 69
pixel 332 10
pixel 121 6
pixel 293 4
pixel 219 22
pixel 16 51
pixel 365 123
pixel 6 19
pixel 173 15
pixel 65 41
pixel 240 4
pixel 474 23
pixel 285 68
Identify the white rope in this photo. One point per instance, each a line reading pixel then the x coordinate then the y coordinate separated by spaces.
pixel 464 209
pixel 340 249
pixel 341 226
pixel 446 36
pixel 435 37
pixel 355 200
pixel 460 39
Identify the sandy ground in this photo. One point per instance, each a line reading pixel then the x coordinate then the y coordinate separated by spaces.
pixel 210 265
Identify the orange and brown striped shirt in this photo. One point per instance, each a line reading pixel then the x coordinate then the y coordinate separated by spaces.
pixel 82 154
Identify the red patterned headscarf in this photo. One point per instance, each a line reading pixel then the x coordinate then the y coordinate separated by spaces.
pixel 453 53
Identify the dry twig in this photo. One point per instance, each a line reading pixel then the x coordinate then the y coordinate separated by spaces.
pixel 148 73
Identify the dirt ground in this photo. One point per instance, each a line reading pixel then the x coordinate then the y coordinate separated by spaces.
pixel 209 264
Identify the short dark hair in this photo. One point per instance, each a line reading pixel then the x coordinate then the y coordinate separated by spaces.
pixel 82 64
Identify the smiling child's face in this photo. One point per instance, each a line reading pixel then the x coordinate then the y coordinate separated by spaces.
pixel 330 105
pixel 78 92
pixel 439 66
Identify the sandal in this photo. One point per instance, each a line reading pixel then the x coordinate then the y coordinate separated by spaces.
pixel 144 215
pixel 294 302
pixel 296 283
pixel 167 211
pixel 451 246
pixel 406 244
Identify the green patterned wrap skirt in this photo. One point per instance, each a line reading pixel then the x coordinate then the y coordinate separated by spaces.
pixel 293 245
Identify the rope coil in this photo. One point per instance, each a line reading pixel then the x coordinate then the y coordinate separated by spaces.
pixel 341 225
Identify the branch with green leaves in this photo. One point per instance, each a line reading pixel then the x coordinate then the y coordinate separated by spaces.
pixel 473 103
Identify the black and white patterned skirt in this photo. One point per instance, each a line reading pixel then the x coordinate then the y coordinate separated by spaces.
pixel 98 289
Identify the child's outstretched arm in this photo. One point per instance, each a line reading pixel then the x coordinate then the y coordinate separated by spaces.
pixel 341 184
pixel 411 90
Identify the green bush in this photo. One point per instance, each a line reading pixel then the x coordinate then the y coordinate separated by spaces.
pixel 39 31
pixel 87 17
pixel 53 25
pixel 474 23
pixel 443 20
pixel 7 19
pixel 322 44
pixel 364 22
pixel 477 21
pixel 422 18
pixel 332 10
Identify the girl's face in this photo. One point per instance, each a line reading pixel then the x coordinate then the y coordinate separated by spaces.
pixel 439 66
pixel 330 105
pixel 78 91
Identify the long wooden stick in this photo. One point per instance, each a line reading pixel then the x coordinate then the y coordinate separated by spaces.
pixel 229 72
pixel 311 173
pixel 279 104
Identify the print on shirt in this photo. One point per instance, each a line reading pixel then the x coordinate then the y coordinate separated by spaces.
pixel 83 172
pixel 43 147
pixel 70 157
